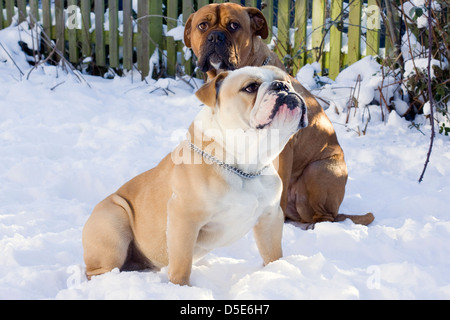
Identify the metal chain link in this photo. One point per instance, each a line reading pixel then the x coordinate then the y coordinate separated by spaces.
pixel 226 166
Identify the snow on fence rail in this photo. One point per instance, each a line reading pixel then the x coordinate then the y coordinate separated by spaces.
pixel 335 33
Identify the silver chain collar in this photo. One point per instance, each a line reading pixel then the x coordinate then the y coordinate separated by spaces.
pixel 226 166
pixel 266 61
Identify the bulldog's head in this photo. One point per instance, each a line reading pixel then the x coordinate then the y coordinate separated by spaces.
pixel 255 98
pixel 221 35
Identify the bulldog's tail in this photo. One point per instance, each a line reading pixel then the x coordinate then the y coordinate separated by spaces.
pixel 365 219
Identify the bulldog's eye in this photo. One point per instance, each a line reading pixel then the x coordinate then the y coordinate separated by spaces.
pixel 203 26
pixel 233 26
pixel 252 87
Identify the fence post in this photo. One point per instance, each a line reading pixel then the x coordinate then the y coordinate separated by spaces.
pixel 85 26
pixel 268 13
pixel 300 35
pixel 317 37
pixel 1 15
pixel 373 28
pixel 22 9
pixel 172 13
pixel 354 31
pixel 113 33
pixel 72 30
pixel 282 47
pixel 59 21
pixel 143 45
pixel 127 35
pixel 100 55
pixel 9 11
pixel 47 23
pixel 335 38
pixel 34 12
pixel 188 8
pixel 156 26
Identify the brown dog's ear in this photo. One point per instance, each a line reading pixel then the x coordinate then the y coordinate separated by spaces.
pixel 187 31
pixel 209 92
pixel 258 22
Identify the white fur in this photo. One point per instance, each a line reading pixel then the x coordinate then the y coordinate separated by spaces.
pixel 237 211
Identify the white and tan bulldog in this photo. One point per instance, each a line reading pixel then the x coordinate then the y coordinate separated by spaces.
pixel 212 189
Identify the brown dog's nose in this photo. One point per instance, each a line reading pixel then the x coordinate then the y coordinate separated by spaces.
pixel 216 37
pixel 279 86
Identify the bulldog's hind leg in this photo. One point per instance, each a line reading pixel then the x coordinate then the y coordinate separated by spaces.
pixel 106 238
pixel 318 193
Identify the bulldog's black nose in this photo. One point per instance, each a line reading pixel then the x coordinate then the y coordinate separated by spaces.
pixel 279 86
pixel 216 37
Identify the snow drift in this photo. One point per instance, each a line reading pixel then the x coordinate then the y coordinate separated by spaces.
pixel 65 146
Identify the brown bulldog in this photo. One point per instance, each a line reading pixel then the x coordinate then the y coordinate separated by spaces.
pixel 228 36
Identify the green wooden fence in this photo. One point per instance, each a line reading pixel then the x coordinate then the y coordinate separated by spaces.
pixel 306 31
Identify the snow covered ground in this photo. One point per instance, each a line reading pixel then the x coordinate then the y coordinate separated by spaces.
pixel 64 146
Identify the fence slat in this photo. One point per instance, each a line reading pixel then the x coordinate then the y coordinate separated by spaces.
pixel 85 27
pixel 72 30
pixel 318 24
pixel 156 27
pixel 300 34
pixel 100 55
pixel 373 28
pixel 127 35
pixel 46 24
pixel 59 26
pixel 172 14
pixel 354 31
pixel 335 38
pixel 34 12
pixel 282 46
pixel 9 11
pixel 113 33
pixel 2 20
pixel 144 41
pixel 22 8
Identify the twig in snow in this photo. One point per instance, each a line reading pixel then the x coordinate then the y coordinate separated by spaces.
pixel 53 88
pixel 430 94
pixel 11 59
pixel 47 40
pixel 42 61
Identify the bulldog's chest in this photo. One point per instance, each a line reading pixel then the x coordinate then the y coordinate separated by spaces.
pixel 237 211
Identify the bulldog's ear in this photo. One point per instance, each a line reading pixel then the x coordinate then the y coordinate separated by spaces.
pixel 208 93
pixel 187 31
pixel 258 22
